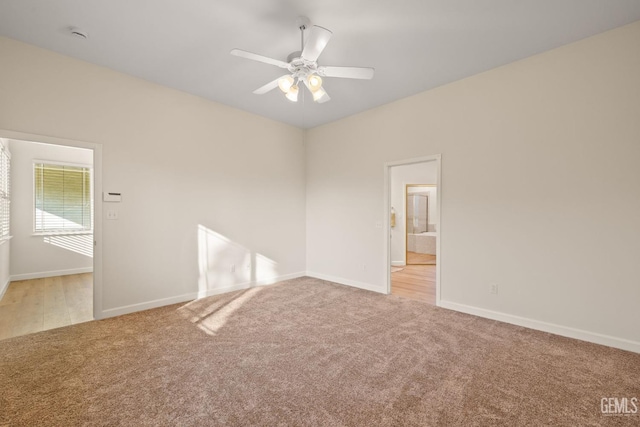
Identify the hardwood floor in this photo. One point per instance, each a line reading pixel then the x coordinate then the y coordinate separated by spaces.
pixel 415 282
pixel 40 304
pixel 417 258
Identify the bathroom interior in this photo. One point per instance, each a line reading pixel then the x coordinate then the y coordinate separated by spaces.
pixel 421 224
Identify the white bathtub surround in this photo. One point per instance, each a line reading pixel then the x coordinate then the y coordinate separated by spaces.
pixel 422 243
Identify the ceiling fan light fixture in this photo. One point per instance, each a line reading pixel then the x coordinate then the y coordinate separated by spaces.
pixel 285 83
pixel 292 94
pixel 315 82
pixel 318 94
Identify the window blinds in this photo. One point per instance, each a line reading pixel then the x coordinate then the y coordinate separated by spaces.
pixel 62 198
pixel 5 189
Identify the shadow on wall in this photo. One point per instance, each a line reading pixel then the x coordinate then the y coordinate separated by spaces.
pixel 225 264
pixel 79 243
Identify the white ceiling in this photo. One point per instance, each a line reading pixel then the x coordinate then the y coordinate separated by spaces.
pixel 414 45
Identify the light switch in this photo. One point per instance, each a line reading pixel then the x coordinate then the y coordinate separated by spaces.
pixel 111 214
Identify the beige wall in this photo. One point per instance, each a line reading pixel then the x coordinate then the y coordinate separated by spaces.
pixel 180 162
pixel 540 188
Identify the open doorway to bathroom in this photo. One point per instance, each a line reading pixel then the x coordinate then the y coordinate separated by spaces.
pixel 413 203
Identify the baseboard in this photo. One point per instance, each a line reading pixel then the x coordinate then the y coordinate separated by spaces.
pixel 398 263
pixel 119 311
pixel 273 280
pixel 43 274
pixel 552 328
pixel 4 288
pixel 348 282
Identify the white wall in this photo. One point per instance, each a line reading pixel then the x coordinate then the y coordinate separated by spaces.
pixel 400 176
pixel 5 246
pixel 524 149
pixel 42 256
pixel 181 163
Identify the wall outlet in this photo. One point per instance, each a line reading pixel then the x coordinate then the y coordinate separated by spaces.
pixel 111 214
pixel 232 268
pixel 493 288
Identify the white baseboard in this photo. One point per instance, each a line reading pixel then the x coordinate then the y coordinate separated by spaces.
pixel 127 309
pixel 43 274
pixel 348 282
pixel 398 263
pixel 552 328
pixel 4 287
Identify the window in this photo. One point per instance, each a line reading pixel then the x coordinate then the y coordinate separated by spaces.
pixel 5 189
pixel 63 201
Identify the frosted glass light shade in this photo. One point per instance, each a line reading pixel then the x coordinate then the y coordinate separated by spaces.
pixel 285 83
pixel 318 94
pixel 292 95
pixel 315 83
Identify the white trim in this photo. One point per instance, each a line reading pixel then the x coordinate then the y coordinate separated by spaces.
pixel 55 273
pixel 348 282
pixel 127 309
pixel 57 163
pixel 273 280
pixel 398 263
pixel 5 287
pixel 97 201
pixel 62 233
pixel 387 207
pixel 552 328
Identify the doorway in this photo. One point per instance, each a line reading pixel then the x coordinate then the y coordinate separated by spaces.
pixel 412 246
pixel 54 273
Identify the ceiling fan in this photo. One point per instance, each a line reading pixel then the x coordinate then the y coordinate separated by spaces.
pixel 302 66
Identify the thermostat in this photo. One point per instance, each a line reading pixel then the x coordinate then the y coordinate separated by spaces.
pixel 111 197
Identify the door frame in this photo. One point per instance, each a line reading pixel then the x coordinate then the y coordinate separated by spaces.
pixel 387 223
pixel 97 202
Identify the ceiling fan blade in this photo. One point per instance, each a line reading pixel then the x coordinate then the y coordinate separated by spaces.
pixel 260 58
pixel 268 87
pixel 315 45
pixel 347 72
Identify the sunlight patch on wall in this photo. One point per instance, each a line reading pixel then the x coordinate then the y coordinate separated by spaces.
pixel 266 270
pixel 223 263
pixel 78 243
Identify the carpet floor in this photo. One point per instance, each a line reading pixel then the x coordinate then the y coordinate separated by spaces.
pixel 307 352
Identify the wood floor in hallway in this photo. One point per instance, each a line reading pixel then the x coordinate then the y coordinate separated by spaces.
pixel 415 281
pixel 36 305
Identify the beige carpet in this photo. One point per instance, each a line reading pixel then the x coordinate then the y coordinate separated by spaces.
pixel 308 353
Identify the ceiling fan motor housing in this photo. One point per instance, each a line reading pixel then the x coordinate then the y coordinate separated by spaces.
pixel 299 67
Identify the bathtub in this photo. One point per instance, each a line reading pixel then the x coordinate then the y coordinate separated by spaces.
pixel 422 243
